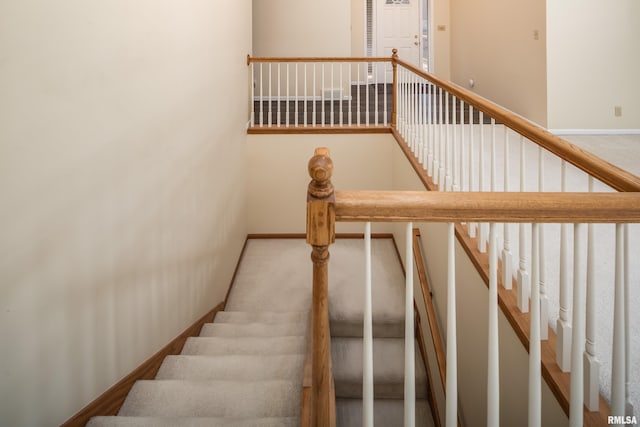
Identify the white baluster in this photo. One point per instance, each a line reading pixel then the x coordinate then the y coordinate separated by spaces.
pixel 454 149
pixel 591 363
pixel 523 274
pixel 462 143
pixel 563 328
pixel 350 113
pixel 451 391
pixel 618 370
pixel 577 332
pixel 430 129
pixel 441 146
pixel 448 184
pixel 313 105
pixel 261 105
pixel 535 386
pixel 421 141
pixel 507 257
pixel 287 97
pixel 409 336
pixel 482 229
pixel 544 299
pixel 252 119
pixel 437 127
pixel 472 167
pixel 278 99
pixel 376 120
pixel 368 108
pixel 367 337
pixel 493 369
pixel 331 88
pixel 270 98
pixel 627 346
pixel 342 95
pixel 322 92
pixel 304 107
pixel 358 93
pixel 384 99
pixel 296 97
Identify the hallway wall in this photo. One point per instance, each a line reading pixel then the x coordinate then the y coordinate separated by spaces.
pixel 122 203
pixel 493 43
pixel 593 64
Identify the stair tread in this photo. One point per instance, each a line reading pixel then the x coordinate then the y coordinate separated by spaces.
pixel 123 421
pixel 254 329
pixel 178 398
pixel 232 367
pixel 386 412
pixel 388 368
pixel 244 345
pixel 261 317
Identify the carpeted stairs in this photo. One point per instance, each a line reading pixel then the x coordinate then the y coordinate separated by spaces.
pixel 246 368
pixel 346 292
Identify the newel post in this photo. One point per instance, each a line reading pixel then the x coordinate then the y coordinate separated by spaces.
pixel 320 234
pixel 394 108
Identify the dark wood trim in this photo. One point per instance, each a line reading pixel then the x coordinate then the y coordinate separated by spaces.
pixel 558 381
pixel 433 403
pixel 304 236
pixel 318 129
pixel 251 59
pixel 109 402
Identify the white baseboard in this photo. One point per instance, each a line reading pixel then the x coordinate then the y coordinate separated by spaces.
pixel 595 131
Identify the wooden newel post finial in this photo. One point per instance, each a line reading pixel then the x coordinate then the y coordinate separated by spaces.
pixel 320 234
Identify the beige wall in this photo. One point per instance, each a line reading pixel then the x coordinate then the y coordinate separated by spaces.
pixel 472 322
pixel 301 28
pixel 122 208
pixel 277 184
pixel 493 43
pixel 441 32
pixel 593 64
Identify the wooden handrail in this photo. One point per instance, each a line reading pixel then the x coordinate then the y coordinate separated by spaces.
pixel 615 177
pixel 431 206
pixel 320 234
pixel 251 59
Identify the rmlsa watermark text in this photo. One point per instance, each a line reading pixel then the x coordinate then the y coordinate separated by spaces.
pixel 620 420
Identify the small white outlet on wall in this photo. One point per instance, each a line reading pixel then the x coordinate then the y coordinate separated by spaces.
pixel 617 111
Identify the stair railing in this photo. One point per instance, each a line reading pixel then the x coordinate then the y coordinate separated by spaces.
pixel 325 206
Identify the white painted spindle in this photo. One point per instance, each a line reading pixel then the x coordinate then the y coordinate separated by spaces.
pixel 544 299
pixel 448 183
pixel 507 257
pixel 535 386
pixel 462 143
pixel 313 105
pixel 493 369
pixel 430 135
pixel 591 363
pixel 304 107
pixel 252 119
pixel 287 99
pixel 350 113
pixel 441 139
pixel 278 99
pixel 384 99
pixel 322 96
pixel 332 86
pixel 627 328
pixel 563 326
pixel 618 369
pixel 454 147
pixel 577 332
pixel 472 167
pixel 367 337
pixel 409 336
pixel 296 96
pixel 437 134
pixel 482 227
pixel 523 274
pixel 451 392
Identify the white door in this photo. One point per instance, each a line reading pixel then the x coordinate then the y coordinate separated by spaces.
pixel 398 23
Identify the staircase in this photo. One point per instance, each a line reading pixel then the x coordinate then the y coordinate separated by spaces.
pixel 346 292
pixel 243 370
pixel 246 368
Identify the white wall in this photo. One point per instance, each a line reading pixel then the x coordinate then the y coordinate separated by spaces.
pixel 122 203
pixel 492 42
pixel 593 64
pixel 277 184
pixel 301 28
